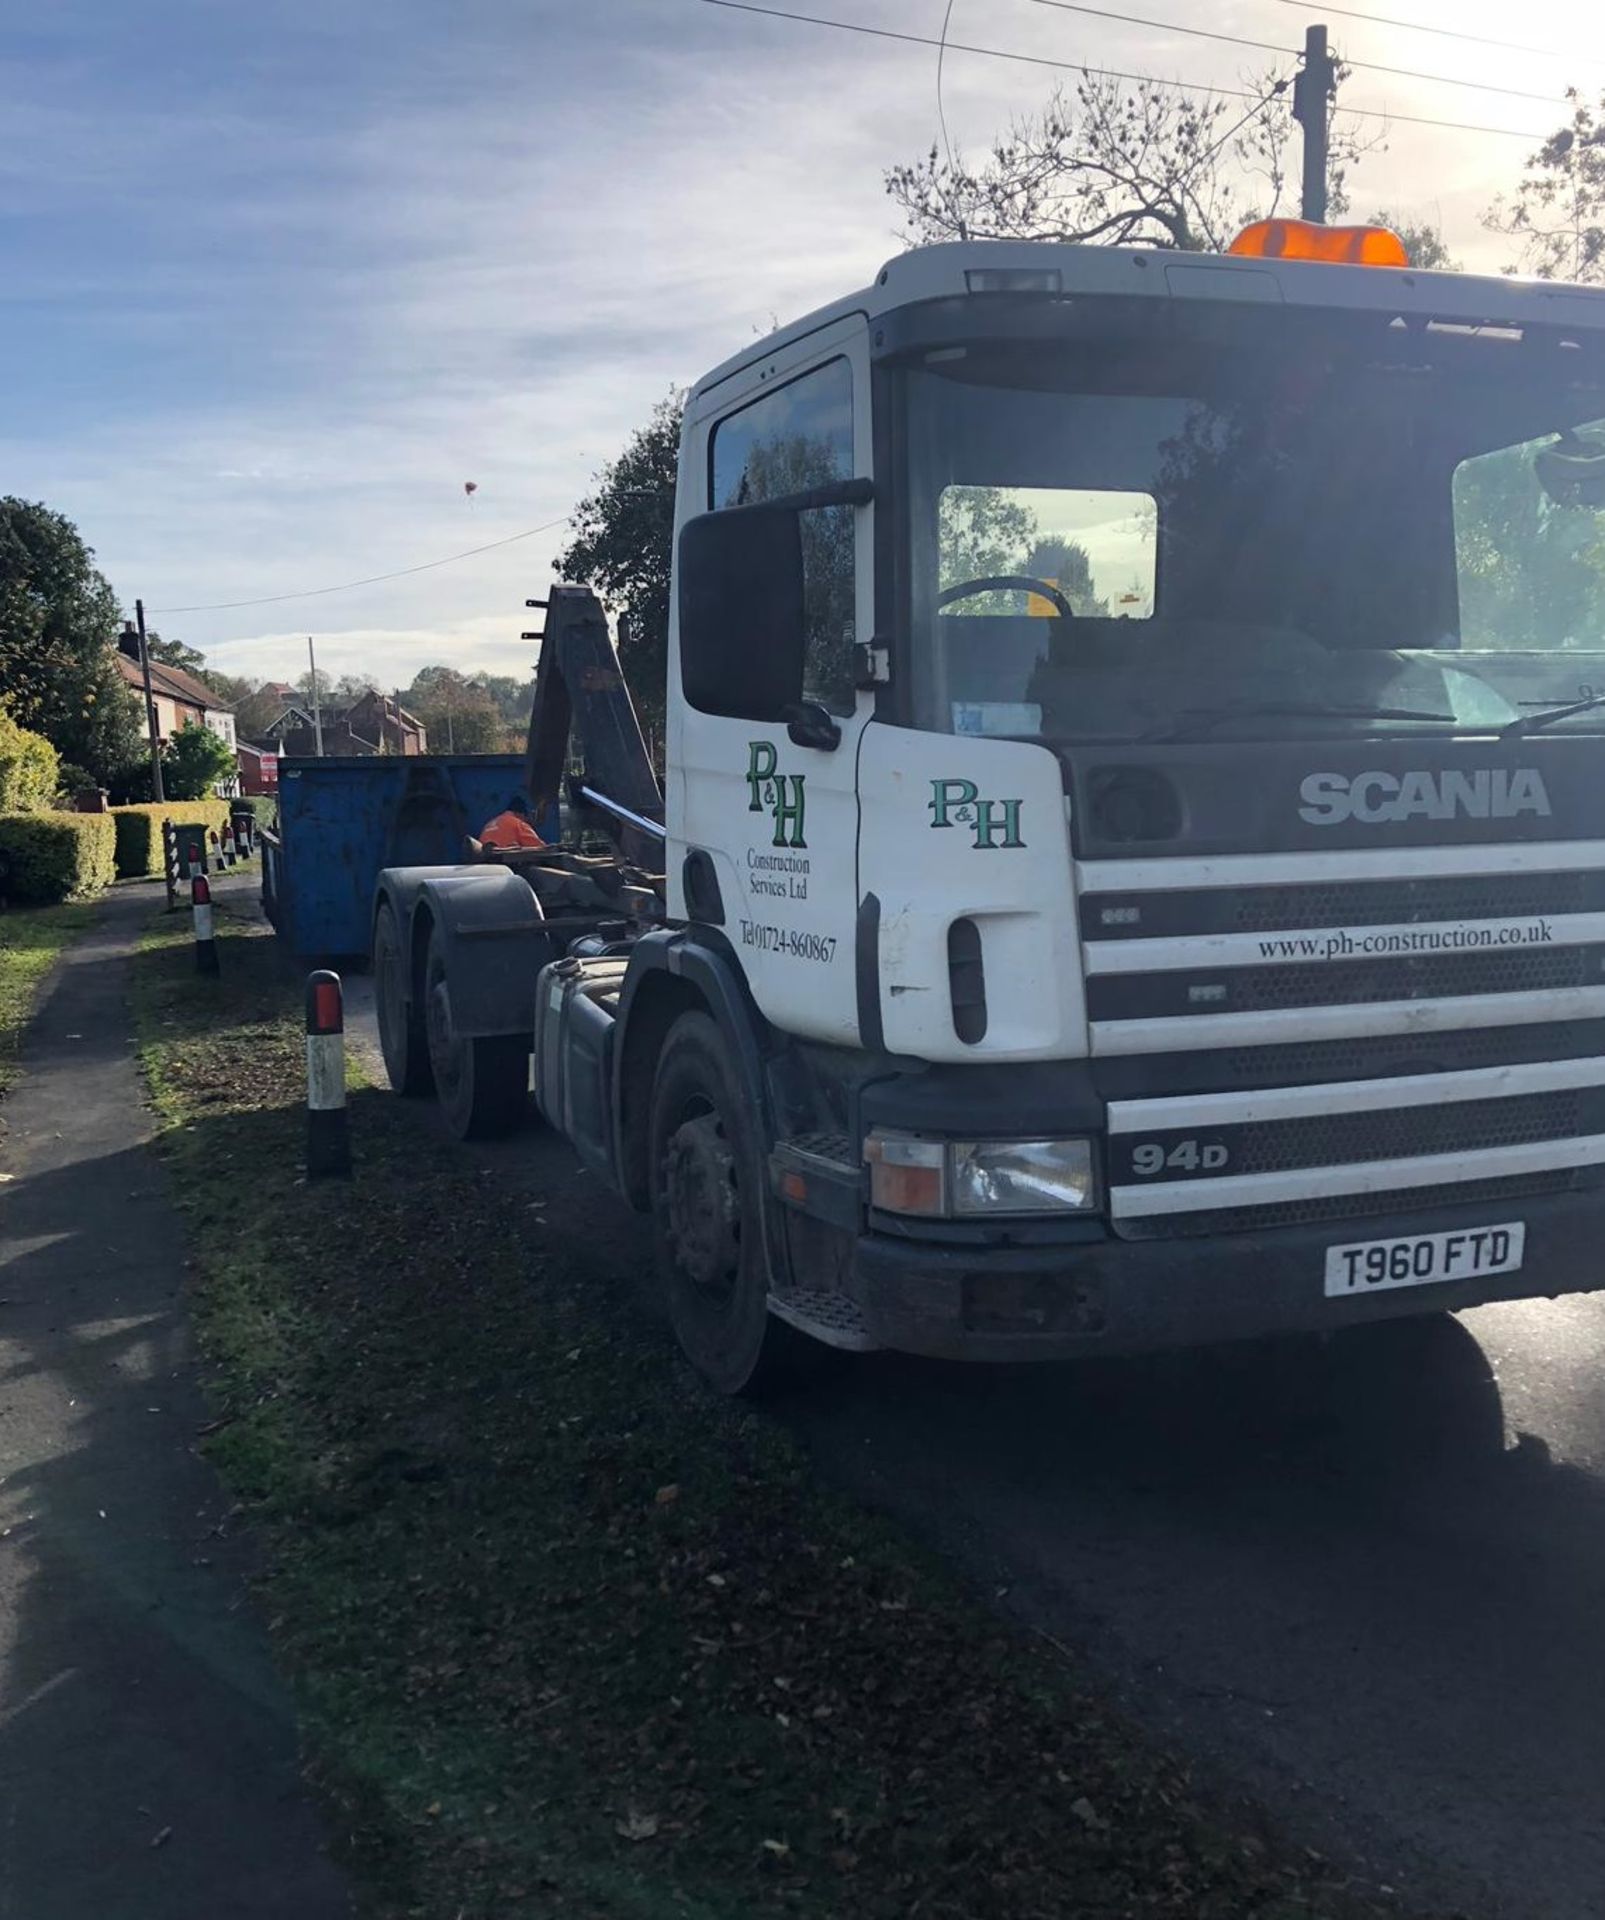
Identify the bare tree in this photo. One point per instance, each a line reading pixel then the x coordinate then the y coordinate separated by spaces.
pixel 1145 163
pixel 1557 213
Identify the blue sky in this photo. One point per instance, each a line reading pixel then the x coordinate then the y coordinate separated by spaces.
pixel 280 277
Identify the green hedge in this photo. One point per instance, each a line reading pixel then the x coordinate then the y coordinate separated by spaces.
pixel 28 767
pixel 139 832
pixel 46 857
pixel 264 805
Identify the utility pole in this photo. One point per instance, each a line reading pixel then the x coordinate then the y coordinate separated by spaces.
pixel 317 697
pixel 156 790
pixel 1313 90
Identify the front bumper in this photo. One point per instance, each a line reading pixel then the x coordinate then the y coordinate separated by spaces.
pixel 1120 1296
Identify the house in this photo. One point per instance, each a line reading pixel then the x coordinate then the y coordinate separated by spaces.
pixel 387 723
pixel 180 699
pixel 259 768
pixel 374 724
pixel 293 720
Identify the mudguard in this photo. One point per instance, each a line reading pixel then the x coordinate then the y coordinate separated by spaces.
pixel 495 935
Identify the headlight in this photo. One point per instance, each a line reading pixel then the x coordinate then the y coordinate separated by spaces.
pixel 939 1179
pixel 1021 1176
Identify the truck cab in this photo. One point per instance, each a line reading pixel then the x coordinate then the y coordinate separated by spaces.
pixel 1131 854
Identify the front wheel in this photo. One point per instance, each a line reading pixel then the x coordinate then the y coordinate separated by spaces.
pixel 483 1083
pixel 705 1170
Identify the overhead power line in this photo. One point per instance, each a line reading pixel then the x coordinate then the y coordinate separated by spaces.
pixel 1420 26
pixel 1100 73
pixel 373 580
pixel 958 46
pixel 1267 46
pixel 941 55
pixel 1167 26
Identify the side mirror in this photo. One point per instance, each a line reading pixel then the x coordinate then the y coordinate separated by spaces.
pixel 811 724
pixel 743 604
pixel 741 612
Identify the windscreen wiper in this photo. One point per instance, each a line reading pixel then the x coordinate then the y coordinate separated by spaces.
pixel 1191 726
pixel 1533 722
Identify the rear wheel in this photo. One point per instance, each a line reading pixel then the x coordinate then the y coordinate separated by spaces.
pixel 704 1170
pixel 482 1083
pixel 402 1036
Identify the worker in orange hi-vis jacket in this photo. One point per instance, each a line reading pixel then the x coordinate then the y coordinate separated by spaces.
pixel 511 828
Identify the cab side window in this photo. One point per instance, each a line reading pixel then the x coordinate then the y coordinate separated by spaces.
pixel 797 436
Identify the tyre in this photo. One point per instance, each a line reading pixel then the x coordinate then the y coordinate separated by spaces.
pixel 705 1174
pixel 482 1084
pixel 402 1036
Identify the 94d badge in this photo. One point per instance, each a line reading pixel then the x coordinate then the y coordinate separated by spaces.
pixel 995 823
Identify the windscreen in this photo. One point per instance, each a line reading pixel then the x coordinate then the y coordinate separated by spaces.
pixel 1293 524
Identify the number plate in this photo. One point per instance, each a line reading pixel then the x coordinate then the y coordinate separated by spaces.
pixel 1423 1259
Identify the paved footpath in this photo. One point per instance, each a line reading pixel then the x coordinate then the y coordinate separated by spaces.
pixel 148 1764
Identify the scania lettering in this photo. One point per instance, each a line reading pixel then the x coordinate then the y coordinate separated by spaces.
pixel 1489 793
pixel 1130 868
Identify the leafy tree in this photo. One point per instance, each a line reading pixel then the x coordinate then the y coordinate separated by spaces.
pixel 316 685
pixel 623 545
pixel 194 761
pixel 460 716
pixel 513 698
pixel 235 688
pixel 255 712
pixel 1557 215
pixel 1069 566
pixel 1146 163
pixel 350 688
pixel 174 653
pixel 58 624
pixel 1423 242
pixel 981 531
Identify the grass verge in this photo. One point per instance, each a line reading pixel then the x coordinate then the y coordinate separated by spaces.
pixel 31 941
pixel 569 1637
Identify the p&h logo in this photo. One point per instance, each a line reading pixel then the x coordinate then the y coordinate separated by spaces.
pixel 996 823
pixel 781 793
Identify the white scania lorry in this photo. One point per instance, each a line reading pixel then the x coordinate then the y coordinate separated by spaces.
pixel 1131 866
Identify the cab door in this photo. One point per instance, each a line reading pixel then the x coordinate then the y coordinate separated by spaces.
pixel 769 808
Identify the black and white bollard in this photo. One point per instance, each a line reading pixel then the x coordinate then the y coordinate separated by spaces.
pixel 228 844
pixel 194 858
pixel 200 895
pixel 172 864
pixel 328 1141
pixel 217 853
